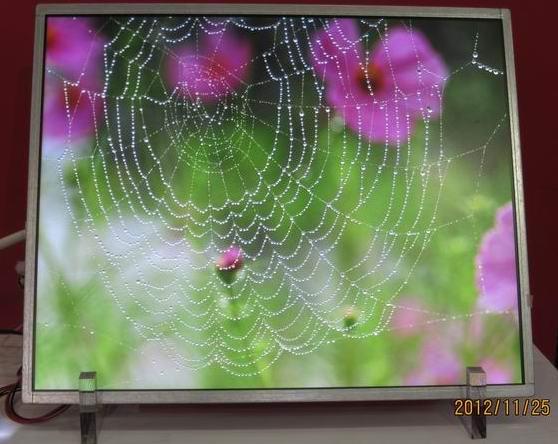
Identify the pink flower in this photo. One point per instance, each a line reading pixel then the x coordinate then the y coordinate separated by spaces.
pixel 74 76
pixel 68 110
pixel 229 263
pixel 496 265
pixel 401 80
pixel 409 317
pixel 212 69
pixel 440 365
pixel 231 259
pixel 496 373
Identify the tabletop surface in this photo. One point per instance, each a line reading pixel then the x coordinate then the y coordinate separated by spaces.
pixel 380 422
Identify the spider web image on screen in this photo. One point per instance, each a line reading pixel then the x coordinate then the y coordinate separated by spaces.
pixel 201 145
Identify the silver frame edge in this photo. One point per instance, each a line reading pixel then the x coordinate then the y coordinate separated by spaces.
pixel 256 396
pixel 266 9
pixel 32 213
pixel 519 203
pixel 275 395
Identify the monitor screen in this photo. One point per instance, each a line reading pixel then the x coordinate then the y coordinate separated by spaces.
pixel 275 202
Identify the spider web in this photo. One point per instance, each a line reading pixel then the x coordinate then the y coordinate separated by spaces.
pixel 179 180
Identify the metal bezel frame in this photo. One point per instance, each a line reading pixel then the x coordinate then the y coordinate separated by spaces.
pixel 268 395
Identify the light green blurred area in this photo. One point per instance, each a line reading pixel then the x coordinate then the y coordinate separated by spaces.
pixel 429 211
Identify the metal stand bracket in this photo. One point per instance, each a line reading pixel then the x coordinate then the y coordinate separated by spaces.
pixel 88 407
pixel 476 392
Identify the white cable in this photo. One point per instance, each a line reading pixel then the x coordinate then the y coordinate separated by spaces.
pixel 12 239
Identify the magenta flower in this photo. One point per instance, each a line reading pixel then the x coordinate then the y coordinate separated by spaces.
pixel 68 110
pixel 229 263
pixel 231 259
pixel 496 265
pixel 73 49
pixel 409 317
pixel 212 69
pixel 74 61
pixel 382 96
pixel 496 373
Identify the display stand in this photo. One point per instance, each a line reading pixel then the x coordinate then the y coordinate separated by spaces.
pixel 88 407
pixel 475 423
pixel 476 391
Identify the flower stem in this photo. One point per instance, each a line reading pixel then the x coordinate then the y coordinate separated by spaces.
pixel 258 364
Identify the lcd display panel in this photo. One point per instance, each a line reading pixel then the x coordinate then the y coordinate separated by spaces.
pixel 264 202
